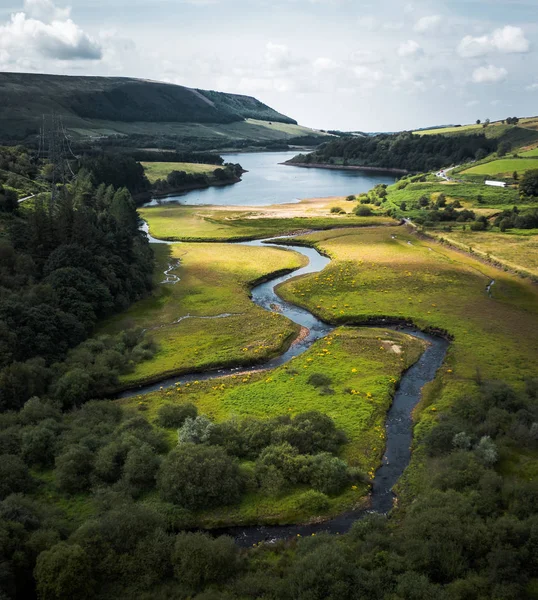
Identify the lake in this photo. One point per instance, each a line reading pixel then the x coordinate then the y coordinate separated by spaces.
pixel 269 182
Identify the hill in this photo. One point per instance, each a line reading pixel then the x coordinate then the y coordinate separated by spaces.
pixel 102 107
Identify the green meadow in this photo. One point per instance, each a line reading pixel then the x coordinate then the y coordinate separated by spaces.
pixel 186 319
pixel 160 170
pixel 191 223
pixel 503 167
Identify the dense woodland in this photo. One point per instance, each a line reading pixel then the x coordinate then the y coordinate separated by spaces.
pixel 402 151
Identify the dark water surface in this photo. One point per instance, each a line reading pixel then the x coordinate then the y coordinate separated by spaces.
pixel 269 182
pixel 399 425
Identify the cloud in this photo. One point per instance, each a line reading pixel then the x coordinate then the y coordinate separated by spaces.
pixel 427 23
pixel 46 31
pixel 532 88
pixel 409 48
pixel 368 77
pixel 489 74
pixel 507 40
pixel 325 64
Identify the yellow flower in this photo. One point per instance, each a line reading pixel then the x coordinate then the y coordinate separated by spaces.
pixel 353 370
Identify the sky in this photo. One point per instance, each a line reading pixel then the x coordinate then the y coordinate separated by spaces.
pixel 386 65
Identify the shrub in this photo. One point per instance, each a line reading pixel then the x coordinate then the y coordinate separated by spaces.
pixel 351 198
pixel 196 476
pixel 140 468
pixel 327 473
pixel 313 501
pixel 336 210
pixel 319 380
pixel 310 433
pixel 363 211
pixel 198 559
pixel 174 415
pixel 73 469
pixel 14 476
pixel 63 572
pixel 196 431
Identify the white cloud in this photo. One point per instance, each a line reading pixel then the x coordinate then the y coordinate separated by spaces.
pixel 427 23
pixel 507 40
pixel 532 88
pixel 472 103
pixel 510 39
pixel 409 48
pixel 368 77
pixel 325 64
pixel 369 23
pixel 46 31
pixel 46 11
pixel 489 74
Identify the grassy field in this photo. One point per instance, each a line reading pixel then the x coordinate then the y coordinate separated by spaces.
pixel 373 274
pixel 445 130
pixel 160 170
pixel 215 281
pixel 174 222
pixel 364 366
pixel 503 167
pixel 530 153
pixel 517 249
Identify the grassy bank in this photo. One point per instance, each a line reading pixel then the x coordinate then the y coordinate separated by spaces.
pixel 215 281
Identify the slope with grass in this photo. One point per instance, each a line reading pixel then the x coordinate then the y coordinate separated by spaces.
pixel 160 170
pixel 207 320
pixel 503 167
pixel 92 108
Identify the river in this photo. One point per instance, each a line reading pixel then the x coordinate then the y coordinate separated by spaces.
pixel 399 424
pixel 270 182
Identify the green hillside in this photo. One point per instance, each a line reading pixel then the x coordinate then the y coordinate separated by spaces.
pixel 101 107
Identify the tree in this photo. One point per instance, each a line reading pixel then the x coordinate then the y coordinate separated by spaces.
pixel 14 476
pixel 195 430
pixel 198 559
pixel 478 121
pixel 529 183
pixel 175 415
pixel 198 476
pixel 140 468
pixel 64 572
pixel 73 469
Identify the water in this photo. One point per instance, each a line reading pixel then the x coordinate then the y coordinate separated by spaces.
pixel 398 426
pixel 268 182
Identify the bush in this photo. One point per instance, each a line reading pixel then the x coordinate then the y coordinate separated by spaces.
pixel 336 210
pixel 198 559
pixel 326 473
pixel 310 433
pixel 64 572
pixel 140 468
pixel 313 502
pixel 73 469
pixel 319 380
pixel 196 431
pixel 174 415
pixel 351 198
pixel 363 211
pixel 196 476
pixel 14 476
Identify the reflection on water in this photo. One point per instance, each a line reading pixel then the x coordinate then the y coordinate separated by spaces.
pixel 269 182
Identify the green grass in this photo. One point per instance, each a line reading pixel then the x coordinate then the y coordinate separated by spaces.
pixel 215 280
pixel 373 275
pixel 503 167
pixel 184 223
pixel 530 153
pixel 364 366
pixel 445 130
pixel 160 170
pixel 516 249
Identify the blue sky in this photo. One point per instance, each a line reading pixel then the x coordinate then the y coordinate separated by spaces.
pixel 343 64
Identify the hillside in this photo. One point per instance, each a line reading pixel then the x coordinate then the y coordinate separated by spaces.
pixel 97 107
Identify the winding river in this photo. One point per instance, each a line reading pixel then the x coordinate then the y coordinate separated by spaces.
pixel 399 425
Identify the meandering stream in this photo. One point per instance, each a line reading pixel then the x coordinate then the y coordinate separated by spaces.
pixel 399 426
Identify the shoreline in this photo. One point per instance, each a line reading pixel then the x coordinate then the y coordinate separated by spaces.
pixel 345 168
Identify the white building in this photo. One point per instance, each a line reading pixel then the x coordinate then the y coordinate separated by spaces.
pixel 496 183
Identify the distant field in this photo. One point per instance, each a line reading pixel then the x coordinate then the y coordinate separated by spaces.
pixel 515 250
pixel 533 152
pixel 505 166
pixel 444 130
pixel 160 170
pixel 183 223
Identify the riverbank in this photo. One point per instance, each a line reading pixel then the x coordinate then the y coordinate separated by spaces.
pixel 179 190
pixel 345 168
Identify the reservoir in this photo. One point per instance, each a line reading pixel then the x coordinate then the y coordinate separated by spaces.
pixel 270 182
